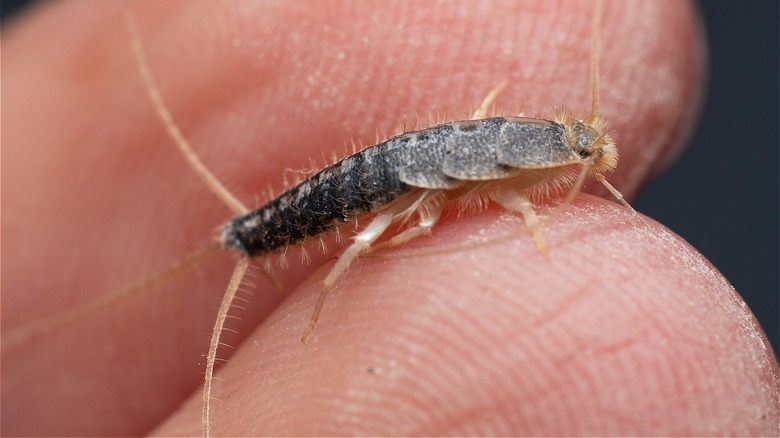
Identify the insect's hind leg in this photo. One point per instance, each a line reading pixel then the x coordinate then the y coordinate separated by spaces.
pixel 429 213
pixel 362 242
pixel 512 200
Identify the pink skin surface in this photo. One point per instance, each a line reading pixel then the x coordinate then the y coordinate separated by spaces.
pixel 624 330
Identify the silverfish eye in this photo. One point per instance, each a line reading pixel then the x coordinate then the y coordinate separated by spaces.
pixel 585 145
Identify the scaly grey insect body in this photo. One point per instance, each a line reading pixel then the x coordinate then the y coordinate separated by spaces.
pixel 506 159
pixel 441 158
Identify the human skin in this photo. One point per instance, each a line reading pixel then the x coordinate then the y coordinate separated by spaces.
pixel 625 329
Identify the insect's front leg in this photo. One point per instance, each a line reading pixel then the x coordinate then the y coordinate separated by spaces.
pixel 513 200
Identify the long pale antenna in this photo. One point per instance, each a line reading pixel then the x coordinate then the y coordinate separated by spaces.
pixel 155 96
pixel 595 59
pixel 45 325
pixel 227 301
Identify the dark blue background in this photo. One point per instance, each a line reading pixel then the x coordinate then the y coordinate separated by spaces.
pixel 723 195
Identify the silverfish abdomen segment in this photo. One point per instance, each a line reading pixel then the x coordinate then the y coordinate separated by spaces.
pixel 359 183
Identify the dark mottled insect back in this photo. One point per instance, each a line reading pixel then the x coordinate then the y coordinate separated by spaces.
pixel 446 156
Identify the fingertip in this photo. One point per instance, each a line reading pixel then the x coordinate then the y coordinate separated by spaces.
pixel 625 330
